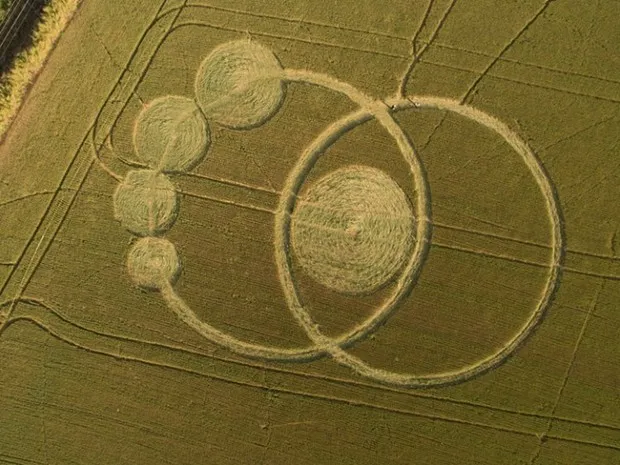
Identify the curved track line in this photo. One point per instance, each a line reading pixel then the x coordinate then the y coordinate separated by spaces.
pixel 344 401
pixel 51 311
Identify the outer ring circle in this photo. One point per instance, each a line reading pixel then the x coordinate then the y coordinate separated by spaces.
pixel 282 243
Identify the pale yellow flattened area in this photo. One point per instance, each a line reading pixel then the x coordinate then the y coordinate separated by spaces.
pixel 180 346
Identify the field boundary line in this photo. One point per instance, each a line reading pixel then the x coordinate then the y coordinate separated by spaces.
pixel 12 283
pixel 560 73
pixel 119 355
pixel 49 311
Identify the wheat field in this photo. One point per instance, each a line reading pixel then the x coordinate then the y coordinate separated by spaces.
pixel 297 232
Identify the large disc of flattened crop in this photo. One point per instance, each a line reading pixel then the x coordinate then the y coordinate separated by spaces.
pixel 353 229
pixel 171 135
pixel 239 84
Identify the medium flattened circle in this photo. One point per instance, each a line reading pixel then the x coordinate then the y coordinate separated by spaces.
pixel 146 203
pixel 171 135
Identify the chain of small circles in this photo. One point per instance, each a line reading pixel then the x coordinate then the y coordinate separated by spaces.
pixel 171 135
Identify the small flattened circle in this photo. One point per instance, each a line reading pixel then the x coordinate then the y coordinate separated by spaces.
pixel 153 261
pixel 146 203
pixel 353 229
pixel 171 135
pixel 239 84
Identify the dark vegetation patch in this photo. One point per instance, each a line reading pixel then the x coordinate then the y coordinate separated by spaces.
pixel 19 19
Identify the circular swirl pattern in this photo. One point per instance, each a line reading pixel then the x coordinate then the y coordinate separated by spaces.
pixel 146 203
pixel 152 262
pixel 283 224
pixel 352 231
pixel 239 84
pixel 171 135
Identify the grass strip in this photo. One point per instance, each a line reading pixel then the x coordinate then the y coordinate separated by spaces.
pixel 27 64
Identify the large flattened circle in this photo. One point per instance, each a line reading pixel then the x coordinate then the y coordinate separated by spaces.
pixel 353 229
pixel 409 272
pixel 239 84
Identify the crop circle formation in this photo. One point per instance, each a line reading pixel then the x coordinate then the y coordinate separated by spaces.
pixel 240 85
pixel 171 135
pixel 353 231
pixel 146 202
pixel 153 261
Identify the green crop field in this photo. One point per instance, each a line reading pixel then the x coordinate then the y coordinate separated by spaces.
pixel 297 232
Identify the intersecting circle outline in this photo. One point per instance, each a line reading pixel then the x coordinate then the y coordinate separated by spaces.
pixel 324 345
pixel 297 176
pixel 381 110
pixel 420 250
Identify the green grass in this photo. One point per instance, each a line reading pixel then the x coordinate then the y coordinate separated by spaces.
pixel 28 63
